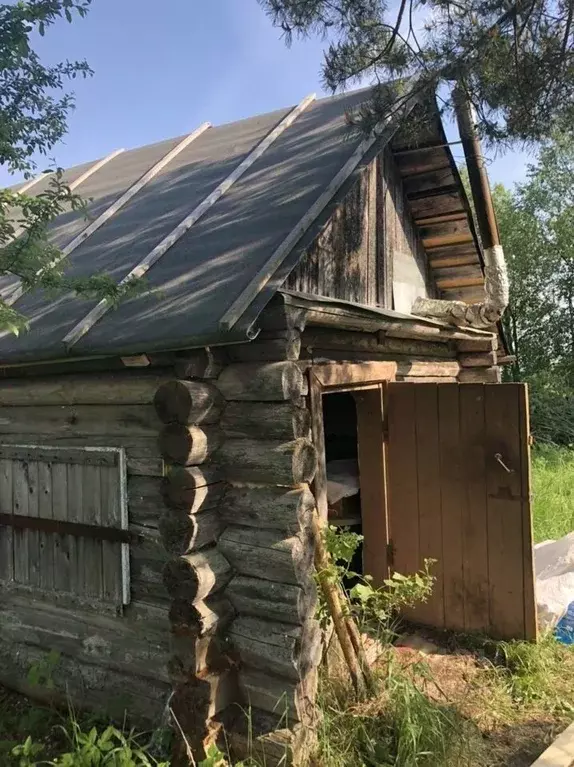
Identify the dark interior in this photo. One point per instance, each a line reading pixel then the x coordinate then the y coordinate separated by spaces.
pixel 340 424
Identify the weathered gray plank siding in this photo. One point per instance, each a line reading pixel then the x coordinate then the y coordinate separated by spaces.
pixel 61 592
pixel 92 482
pixel 369 252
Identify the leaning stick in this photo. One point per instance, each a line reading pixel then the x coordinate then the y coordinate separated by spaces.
pixel 333 598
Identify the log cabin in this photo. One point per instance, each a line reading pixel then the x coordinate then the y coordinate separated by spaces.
pixel 161 461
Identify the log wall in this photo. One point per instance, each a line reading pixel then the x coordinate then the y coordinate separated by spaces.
pixel 104 658
pixel 269 462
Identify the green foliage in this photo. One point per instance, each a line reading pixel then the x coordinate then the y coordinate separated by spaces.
pixel 374 608
pixel 514 58
pixel 91 748
pixel 530 672
pixel 40 674
pixel 552 491
pixel 33 118
pixel 536 224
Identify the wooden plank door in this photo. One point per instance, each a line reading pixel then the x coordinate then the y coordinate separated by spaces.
pixel 458 476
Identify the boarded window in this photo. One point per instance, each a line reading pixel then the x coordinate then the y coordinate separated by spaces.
pixel 63 522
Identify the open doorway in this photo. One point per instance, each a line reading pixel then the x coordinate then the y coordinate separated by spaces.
pixel 347 422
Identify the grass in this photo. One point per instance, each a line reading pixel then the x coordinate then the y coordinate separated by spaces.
pixel 553 492
pixel 495 705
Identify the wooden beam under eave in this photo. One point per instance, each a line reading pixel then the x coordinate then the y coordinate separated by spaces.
pixel 446 262
pixel 459 215
pixel 458 282
pixel 449 239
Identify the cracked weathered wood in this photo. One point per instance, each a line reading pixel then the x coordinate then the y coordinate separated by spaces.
pixel 269 461
pixel 188 402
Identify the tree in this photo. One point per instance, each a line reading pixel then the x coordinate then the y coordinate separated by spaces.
pixel 537 230
pixel 34 108
pixel 513 58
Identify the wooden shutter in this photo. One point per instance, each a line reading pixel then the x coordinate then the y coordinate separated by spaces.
pixel 459 492
pixel 63 522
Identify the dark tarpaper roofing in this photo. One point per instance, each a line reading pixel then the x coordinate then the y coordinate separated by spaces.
pixel 196 281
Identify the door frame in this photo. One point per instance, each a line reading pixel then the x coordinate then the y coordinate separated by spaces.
pixel 367 382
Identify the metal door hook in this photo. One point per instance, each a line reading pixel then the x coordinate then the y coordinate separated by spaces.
pixel 498 457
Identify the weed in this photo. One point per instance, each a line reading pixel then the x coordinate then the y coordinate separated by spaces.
pixel 553 491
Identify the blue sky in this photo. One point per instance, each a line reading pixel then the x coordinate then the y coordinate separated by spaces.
pixel 163 68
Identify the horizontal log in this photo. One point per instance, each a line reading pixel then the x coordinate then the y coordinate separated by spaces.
pixel 266 738
pixel 202 618
pixel 266 554
pixel 484 360
pixel 80 420
pixel 189 445
pixel 196 700
pixel 266 420
pixel 112 693
pixel 268 461
pixel 480 375
pixel 322 338
pixel 277 648
pixel 125 388
pixel 293 700
pixel 192 487
pixel 268 507
pixel 479 344
pixel 277 315
pixel 196 576
pixel 200 645
pixel 200 363
pixel 183 533
pixel 286 347
pixel 145 502
pixel 422 368
pixel 98 640
pixel 427 379
pixel 264 382
pixel 281 602
pixel 188 402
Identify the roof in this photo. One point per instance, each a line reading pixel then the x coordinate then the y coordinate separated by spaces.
pixel 234 249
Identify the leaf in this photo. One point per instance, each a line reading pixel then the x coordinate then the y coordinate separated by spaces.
pixel 41 29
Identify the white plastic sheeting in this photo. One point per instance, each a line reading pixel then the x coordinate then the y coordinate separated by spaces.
pixel 554 568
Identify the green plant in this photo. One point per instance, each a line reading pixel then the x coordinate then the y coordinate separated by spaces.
pixel 40 674
pixel 375 608
pixel 27 752
pixel 530 672
pixel 552 491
